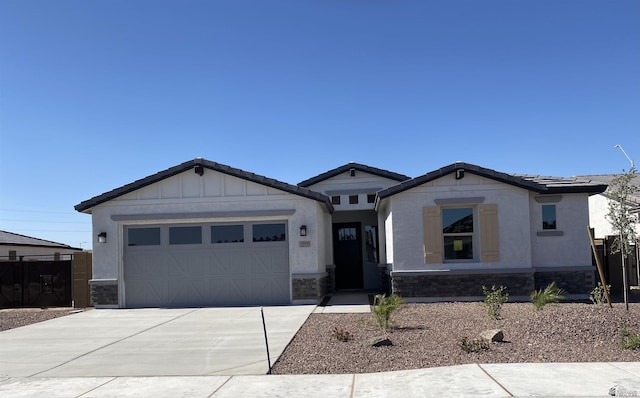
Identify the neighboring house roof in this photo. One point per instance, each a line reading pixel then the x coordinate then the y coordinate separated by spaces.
pixel 191 164
pixel 359 167
pixel 13 239
pixel 539 184
pixel 607 178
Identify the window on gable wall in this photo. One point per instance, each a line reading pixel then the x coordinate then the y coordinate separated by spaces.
pixel 548 216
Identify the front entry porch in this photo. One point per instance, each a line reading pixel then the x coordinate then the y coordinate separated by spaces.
pixel 355 251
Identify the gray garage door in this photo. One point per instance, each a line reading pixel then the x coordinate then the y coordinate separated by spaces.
pixel 198 265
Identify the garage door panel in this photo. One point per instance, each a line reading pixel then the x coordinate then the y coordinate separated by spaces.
pixel 147 292
pixel 229 262
pixel 247 273
pixel 268 260
pixel 146 264
pixel 187 263
pixel 187 292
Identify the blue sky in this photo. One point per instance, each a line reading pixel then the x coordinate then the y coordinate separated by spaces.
pixel 97 94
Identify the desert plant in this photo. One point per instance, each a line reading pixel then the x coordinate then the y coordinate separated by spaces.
pixel 551 294
pixel 341 334
pixel 598 294
pixel 383 307
pixel 494 299
pixel 630 340
pixel 474 345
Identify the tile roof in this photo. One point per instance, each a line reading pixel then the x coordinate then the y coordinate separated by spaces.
pixel 540 184
pixel 607 178
pixel 360 167
pixel 13 239
pixel 191 164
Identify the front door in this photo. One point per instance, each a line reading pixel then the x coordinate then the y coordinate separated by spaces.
pixel 347 255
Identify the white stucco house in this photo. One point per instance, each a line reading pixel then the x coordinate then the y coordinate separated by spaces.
pixel 206 234
pixel 599 205
pixel 16 246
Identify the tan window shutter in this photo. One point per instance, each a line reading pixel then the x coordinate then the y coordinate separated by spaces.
pixel 432 229
pixel 489 237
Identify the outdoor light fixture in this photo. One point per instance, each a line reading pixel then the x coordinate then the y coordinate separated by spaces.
pixel 303 230
pixel 352 172
pixel 199 170
pixel 102 237
pixel 459 174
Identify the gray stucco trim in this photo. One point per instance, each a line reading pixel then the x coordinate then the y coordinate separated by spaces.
pixel 548 198
pixel 459 201
pixel 316 275
pixel 205 215
pixel 495 271
pixel 465 272
pixel 103 282
pixel 550 233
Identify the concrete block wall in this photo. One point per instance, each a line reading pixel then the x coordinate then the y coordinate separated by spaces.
pixel 459 285
pixel 434 285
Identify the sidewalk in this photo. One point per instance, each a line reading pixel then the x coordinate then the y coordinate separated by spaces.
pixel 489 380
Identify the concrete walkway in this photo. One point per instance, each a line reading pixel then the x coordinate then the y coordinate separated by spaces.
pixel 495 380
pixel 151 342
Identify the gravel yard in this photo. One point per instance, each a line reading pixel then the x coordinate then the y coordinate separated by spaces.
pixel 16 317
pixel 428 335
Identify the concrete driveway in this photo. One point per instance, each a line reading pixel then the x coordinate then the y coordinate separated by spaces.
pixel 151 342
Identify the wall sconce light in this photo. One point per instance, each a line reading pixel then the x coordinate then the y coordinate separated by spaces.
pixel 102 237
pixel 303 230
pixel 198 169
pixel 352 172
pixel 459 174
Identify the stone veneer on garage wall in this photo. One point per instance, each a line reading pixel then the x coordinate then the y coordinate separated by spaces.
pixel 104 293
pixel 309 287
pixel 577 282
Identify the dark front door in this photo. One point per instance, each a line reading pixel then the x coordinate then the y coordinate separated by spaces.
pixel 347 255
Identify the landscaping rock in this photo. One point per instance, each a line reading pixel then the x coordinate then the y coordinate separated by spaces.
pixel 380 342
pixel 493 335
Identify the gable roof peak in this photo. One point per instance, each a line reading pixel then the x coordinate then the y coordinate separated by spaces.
pixel 203 163
pixel 357 166
pixel 539 184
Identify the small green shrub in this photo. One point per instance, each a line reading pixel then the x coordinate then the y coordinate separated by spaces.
pixel 494 299
pixel 551 294
pixel 383 307
pixel 598 294
pixel 630 340
pixel 474 345
pixel 341 334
